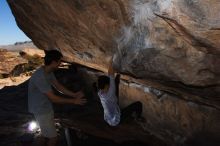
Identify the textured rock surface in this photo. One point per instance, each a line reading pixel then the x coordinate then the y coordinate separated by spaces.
pixel 168 116
pixel 166 40
pixel 171 117
pixel 170 45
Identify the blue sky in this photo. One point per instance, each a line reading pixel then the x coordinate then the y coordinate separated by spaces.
pixel 9 31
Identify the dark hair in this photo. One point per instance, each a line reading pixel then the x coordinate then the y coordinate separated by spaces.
pixel 103 81
pixel 52 55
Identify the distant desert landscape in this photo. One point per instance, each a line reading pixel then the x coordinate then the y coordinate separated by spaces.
pixel 12 62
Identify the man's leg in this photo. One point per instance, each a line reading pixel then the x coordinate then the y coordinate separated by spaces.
pixel 48 129
pixel 128 111
pixel 39 141
pixel 52 141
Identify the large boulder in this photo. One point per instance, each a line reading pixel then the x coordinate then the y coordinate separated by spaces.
pixel 166 40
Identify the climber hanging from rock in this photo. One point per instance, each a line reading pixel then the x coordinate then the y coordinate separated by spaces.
pixel 108 92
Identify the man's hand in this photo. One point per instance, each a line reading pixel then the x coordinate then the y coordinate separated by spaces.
pixel 58 99
pixel 78 94
pixel 79 101
pixel 66 91
pixel 111 71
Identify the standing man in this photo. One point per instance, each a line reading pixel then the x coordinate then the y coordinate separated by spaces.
pixel 41 95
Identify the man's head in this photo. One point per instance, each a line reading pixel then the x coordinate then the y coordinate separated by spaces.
pixel 103 82
pixel 52 58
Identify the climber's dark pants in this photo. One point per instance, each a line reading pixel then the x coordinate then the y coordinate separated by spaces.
pixel 117 82
pixel 133 110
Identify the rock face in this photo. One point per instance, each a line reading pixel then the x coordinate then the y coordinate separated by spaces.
pixel 168 45
pixel 14 117
pixel 166 40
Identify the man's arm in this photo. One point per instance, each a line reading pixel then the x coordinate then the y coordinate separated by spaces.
pixel 111 74
pixel 111 71
pixel 65 91
pixel 57 99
